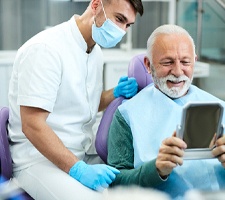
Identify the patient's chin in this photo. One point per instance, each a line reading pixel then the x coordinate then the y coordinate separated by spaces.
pixel 175 92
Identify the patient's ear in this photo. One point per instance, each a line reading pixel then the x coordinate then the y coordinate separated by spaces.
pixel 147 64
pixel 196 57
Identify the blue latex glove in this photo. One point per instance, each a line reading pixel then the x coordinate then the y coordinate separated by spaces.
pixel 127 87
pixel 96 177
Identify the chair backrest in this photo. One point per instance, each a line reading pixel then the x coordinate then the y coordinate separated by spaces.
pixel 5 156
pixel 136 69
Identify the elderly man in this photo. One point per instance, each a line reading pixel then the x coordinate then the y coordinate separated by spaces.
pixel 142 141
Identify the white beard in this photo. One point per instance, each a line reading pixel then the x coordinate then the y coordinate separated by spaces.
pixel 174 92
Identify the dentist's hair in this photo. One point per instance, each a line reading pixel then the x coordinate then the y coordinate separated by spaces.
pixel 137 5
pixel 166 29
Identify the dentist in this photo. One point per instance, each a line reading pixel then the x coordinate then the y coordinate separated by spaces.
pixel 55 93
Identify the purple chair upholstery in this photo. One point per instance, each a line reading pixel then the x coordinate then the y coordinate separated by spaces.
pixel 136 69
pixel 102 132
pixel 5 156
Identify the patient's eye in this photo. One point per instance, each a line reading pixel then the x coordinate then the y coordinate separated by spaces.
pixel 167 63
pixel 186 63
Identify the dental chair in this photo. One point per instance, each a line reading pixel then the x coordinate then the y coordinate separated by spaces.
pixel 136 69
pixel 5 157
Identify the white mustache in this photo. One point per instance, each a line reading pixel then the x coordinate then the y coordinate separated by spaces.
pixel 173 92
pixel 172 78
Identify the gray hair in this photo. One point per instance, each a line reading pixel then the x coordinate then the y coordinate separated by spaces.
pixel 166 29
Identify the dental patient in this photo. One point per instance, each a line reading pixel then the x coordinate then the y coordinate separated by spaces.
pixel 142 140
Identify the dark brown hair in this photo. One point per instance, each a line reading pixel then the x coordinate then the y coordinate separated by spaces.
pixel 137 5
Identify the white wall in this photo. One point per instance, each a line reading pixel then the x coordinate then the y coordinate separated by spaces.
pixel 215 83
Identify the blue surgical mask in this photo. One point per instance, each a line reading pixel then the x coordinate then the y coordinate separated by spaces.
pixel 109 34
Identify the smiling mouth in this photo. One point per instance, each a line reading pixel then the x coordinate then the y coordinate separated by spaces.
pixel 176 83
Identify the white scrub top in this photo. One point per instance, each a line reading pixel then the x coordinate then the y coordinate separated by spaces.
pixel 52 71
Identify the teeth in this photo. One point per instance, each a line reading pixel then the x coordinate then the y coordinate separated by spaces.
pixel 175 81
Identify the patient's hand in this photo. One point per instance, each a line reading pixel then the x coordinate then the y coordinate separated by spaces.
pixel 170 155
pixel 212 143
pixel 219 150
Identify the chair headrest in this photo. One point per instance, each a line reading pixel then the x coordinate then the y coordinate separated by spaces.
pixel 137 69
